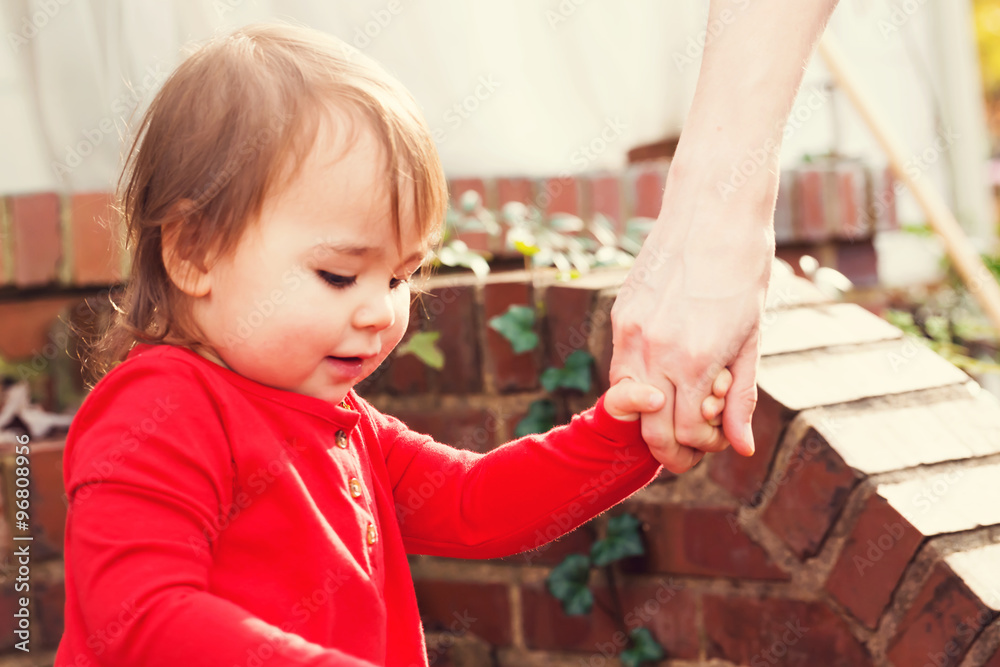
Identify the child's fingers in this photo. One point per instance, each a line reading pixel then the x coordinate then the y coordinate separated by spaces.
pixel 628 398
pixel 711 410
pixel 722 383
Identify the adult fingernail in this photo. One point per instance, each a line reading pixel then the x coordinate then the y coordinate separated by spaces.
pixel 748 436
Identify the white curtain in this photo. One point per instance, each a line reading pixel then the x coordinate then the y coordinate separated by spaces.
pixel 512 87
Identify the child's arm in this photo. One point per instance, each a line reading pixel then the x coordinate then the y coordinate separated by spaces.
pixel 147 468
pixel 528 492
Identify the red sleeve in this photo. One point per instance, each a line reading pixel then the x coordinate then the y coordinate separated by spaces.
pixel 147 465
pixel 459 503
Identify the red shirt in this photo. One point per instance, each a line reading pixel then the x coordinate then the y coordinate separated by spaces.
pixel 215 521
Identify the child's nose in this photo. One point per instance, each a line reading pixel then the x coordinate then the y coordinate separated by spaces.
pixel 376 311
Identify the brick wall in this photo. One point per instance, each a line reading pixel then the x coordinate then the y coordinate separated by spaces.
pixel 829 209
pixel 737 549
pixel 865 530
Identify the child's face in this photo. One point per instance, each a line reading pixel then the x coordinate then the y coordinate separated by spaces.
pixel 314 297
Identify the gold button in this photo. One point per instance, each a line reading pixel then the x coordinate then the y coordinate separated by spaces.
pixel 355 486
pixel 341 439
pixel 371 534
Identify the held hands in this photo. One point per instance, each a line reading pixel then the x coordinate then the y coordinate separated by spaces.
pixel 691 306
pixel 627 399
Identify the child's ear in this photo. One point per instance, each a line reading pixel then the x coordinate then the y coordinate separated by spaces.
pixel 186 274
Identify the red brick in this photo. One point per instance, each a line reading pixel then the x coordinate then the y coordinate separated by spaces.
pixel 744 477
pixel 701 541
pixel 460 426
pixel 514 189
pixel 452 310
pixel 552 553
pixel 445 649
pixel 994 661
pixel 568 309
pixel 859 262
pixel 606 199
pixel 26 328
pixel 559 195
pixel 873 560
pixel 792 633
pixel 809 495
pixel 604 354
pixel 8 605
pixel 664 607
pixel 459 186
pixel 810 208
pixel 648 196
pixel 850 192
pixel 96 247
pixel 5 533
pixel 941 622
pixel 481 609
pixel 4 243
pixel 406 374
pixel 884 204
pixel 50 602
pixel 511 371
pixel 37 238
pixel 48 511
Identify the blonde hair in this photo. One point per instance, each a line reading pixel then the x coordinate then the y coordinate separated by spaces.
pixel 228 128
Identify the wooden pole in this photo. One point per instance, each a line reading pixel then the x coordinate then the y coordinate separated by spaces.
pixel 977 278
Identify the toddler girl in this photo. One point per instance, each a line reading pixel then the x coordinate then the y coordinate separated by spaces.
pixel 232 500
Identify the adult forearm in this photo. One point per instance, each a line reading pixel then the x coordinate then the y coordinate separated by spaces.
pixel 752 67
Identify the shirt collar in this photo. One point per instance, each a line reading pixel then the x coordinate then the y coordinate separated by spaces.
pixel 344 415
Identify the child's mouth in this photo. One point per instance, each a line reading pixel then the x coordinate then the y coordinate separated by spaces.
pixel 349 367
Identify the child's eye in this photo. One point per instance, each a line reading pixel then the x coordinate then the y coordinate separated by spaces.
pixel 340 282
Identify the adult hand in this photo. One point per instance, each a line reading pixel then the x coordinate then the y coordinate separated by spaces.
pixel 689 308
pixel 693 301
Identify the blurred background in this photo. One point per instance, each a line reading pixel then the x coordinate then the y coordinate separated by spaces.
pixel 528 90
pixel 556 121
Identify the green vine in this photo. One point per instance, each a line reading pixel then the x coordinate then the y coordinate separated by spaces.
pixel 569 582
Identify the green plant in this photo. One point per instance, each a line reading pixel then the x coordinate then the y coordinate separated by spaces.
pixel 559 241
pixel 563 241
pixel 948 320
pixel 516 325
pixel 423 345
pixel 569 582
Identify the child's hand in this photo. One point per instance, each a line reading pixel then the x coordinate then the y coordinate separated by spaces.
pixel 711 407
pixel 628 399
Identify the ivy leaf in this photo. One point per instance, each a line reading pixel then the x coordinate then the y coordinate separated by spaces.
pixel 623 540
pixel 644 649
pixel 568 584
pixel 423 345
pixel 457 253
pixel 517 326
pixel 550 378
pixel 575 374
pixel 540 418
